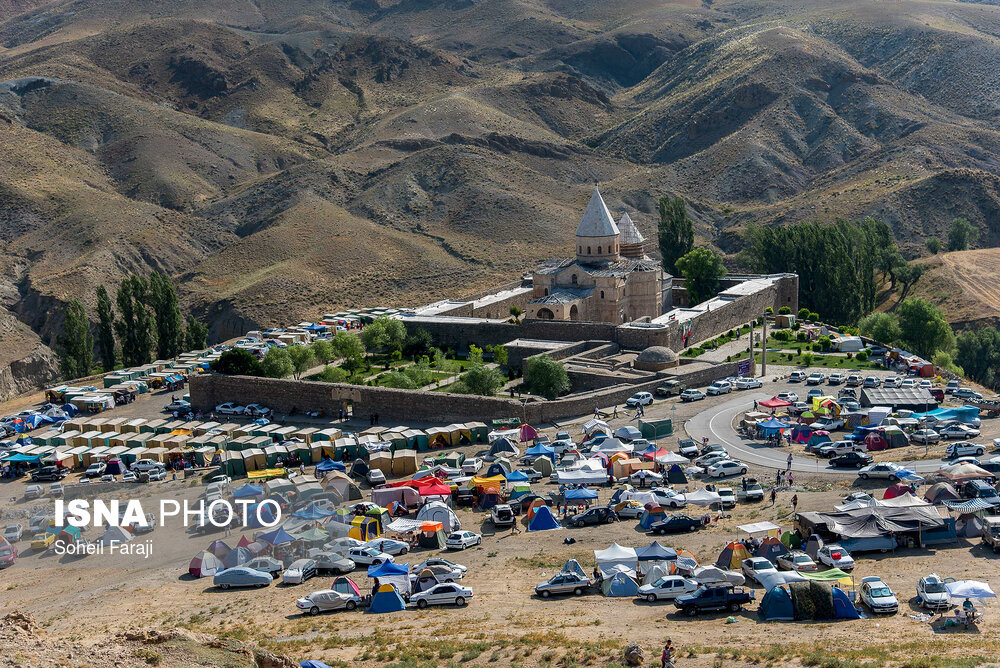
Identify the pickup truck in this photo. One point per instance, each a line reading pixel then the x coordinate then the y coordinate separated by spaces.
pixel 670 388
pixel 726 597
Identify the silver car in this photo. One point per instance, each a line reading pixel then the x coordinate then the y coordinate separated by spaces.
pixel 333 562
pixel 563 583
pixel 326 600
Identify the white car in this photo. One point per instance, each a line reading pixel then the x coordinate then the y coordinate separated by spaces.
pixel 639 399
pixel 892 381
pixel 837 378
pixel 817 378
pixel 727 468
pixel 748 384
pixel 158 474
pixel 460 540
pixel 446 593
pixel 932 593
pixel 755 567
pixel 711 459
pixel 796 376
pixel 669 498
pixel 908 383
pixel 130 476
pixel 888 470
pixel 959 431
pixel 667 588
pixel 926 436
pixel 375 477
pixel 141 465
pixel 96 470
pixel 327 599
pixel 300 571
pixel 107 477
pixel 13 532
pixel 367 556
pixel 877 596
pixel 719 387
pixel 925 384
pixel 835 556
pixel 854 380
pixel 872 381
pixel 472 465
pixel 788 396
pixel 389 546
pixel 963 449
pixel 727 497
pixel 692 395
pixel 796 560
pixel 256 410
pixel 229 408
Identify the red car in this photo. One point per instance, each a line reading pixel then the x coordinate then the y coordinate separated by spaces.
pixel 937 393
pixel 8 554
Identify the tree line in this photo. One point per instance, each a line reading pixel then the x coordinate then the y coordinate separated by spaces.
pixel 148 320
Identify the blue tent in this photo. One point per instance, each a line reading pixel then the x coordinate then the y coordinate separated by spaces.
pixel 330 465
pixel 277 537
pixel 19 457
pixel 647 518
pixel 237 557
pixel 312 512
pixel 497 469
pixel 771 427
pixel 248 491
pixel 543 520
pixel 580 494
pixel 843 608
pixel 517 476
pixel 267 517
pixel 540 450
pixel 386 599
pixel 776 605
pixel 387 569
pixel 818 439
pixel 675 475
pixel 620 585
pixel 70 409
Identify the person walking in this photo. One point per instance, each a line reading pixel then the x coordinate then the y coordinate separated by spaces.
pixel 789 478
pixel 795 502
pixel 755 405
pixel 774 495
pixel 615 414
pixel 667 658
pixel 788 462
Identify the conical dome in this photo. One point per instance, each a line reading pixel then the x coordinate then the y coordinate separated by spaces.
pixel 597 220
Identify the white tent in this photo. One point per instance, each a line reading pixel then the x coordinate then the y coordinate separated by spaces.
pixel 609 446
pixel 641 497
pixel 759 527
pixel 702 497
pixel 654 573
pixel 616 555
pixel 770 580
pixel 113 535
pixel 716 575
pixel 969 589
pixel 672 458
pixel 512 435
pixel 594 425
pixel 435 511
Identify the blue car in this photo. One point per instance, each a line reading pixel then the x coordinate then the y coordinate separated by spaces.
pixel 241 576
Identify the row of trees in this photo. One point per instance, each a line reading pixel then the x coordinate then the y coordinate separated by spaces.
pixel 149 318
pixel 916 325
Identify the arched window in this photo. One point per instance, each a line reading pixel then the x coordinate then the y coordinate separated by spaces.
pixel 546 292
pixel 581 250
pixel 573 279
pixel 588 250
pixel 598 250
pixel 602 294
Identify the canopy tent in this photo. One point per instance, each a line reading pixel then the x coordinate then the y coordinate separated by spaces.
pixel 969 589
pixel 592 426
pixel 655 552
pixel 702 497
pixel 771 427
pixel 732 555
pixel 517 476
pixel 760 527
pixel 248 491
pixel 312 512
pixel 204 564
pixel 580 494
pixel 965 471
pixel 774 402
pixel 276 537
pixel 616 555
pixel 543 520
pixel 541 449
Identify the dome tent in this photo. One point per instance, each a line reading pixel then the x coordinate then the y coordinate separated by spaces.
pixel 204 564
pixel 770 548
pixel 436 511
pixel 618 582
pixel 386 599
pixel 732 555
pixel 543 520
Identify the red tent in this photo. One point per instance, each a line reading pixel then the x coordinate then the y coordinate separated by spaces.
pixel 656 453
pixel 429 486
pixel 244 542
pixel 876 441
pixel 774 402
pixel 899 489
pixel 528 433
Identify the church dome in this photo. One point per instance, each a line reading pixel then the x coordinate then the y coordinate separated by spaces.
pixel 656 358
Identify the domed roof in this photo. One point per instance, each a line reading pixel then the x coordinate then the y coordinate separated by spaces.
pixel 657 355
pixel 630 234
pixel 596 220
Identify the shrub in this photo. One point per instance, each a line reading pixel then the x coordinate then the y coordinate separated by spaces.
pixel 784 310
pixel 801 337
pixel 814 316
pixel 807 359
pixel 803 313
pixel 769 311
pixel 862 355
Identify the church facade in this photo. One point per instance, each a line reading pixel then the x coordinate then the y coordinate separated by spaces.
pixel 611 279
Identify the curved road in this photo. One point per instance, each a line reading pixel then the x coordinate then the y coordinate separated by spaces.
pixel 716 424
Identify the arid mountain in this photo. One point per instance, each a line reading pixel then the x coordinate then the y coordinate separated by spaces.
pixel 282 159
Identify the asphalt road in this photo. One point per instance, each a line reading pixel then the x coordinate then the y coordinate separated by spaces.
pixel 716 423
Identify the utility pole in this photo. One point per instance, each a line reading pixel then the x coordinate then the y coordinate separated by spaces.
pixel 763 346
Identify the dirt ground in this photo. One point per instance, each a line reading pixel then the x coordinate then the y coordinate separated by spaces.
pixel 86 601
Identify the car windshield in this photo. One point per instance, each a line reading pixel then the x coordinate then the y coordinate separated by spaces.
pixel 762 565
pixel 935 588
pixel 881 592
pixel 802 559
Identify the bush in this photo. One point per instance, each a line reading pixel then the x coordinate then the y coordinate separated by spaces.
pixel 331 374
pixel 803 313
pixel 782 335
pixel 546 376
pixel 807 359
pixel 801 337
pixel 824 343
pixel 769 311
pixel 862 355
pixel 814 316
pixel 784 310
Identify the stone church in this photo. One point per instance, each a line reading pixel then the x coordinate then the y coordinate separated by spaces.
pixel 611 279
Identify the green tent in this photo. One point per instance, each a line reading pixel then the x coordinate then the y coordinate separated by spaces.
pixel 313 535
pixel 656 428
pixel 791 540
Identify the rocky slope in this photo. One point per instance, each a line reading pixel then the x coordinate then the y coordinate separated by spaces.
pixel 284 159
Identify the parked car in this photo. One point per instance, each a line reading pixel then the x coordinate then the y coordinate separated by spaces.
pixel 727 497
pixel 593 516
pixel 750 491
pixel 241 576
pixel 144 465
pixel 814 393
pixel 854 380
pixel 13 532
pixel 837 378
pixel 667 588
pixel 797 376
pixel 828 424
pixel 460 540
pixel 628 510
pixel 669 498
pixel 748 384
pixel 908 383
pixel 333 562
pixel 472 465
pixel 838 448
pixel 327 600
pixel 389 546
pixel 891 381
pixel 925 436
pixel 8 555
pixel 266 565
pixel 670 388
pixel 727 468
pixel 146 525
pixel 692 395
pixel 563 583
pixel 49 474
pixel 375 477
pixel 854 460
pixel 847 393
pixel 872 381
pixel 533 475
pixel 724 597
pixel 877 595
pixel 439 561
pixel 835 556
pixel 502 515
pixel 796 560
pixel 42 541
pixel 441 572
pixel 755 567
pixel 978 489
pixel 229 408
pixel 719 387
pixel 932 593
pixel 889 470
pixel 33 492
pixel 788 396
pixel 817 378
pixel 964 448
pixel 850 405
pixel 179 406
pixel 97 469
pixel 937 393
pixel 967 393
pixel 639 399
pixel 156 474
pixel 130 476
pixel 688 448
pixel 711 459
pixel 959 431
pixel 367 556
pixel 677 523
pixel 444 593
pixel 299 571
pixel 256 411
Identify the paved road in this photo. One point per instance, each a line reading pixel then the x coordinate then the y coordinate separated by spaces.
pixel 716 423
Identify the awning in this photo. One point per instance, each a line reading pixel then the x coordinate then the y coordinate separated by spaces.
pixel 968 505
pixel 759 527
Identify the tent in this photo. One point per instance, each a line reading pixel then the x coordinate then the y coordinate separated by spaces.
pixel 818 438
pixel 580 494
pixel 702 497
pixel 276 537
pixel 628 433
pixel 940 492
pixel 425 580
pixel 389 573
pixel 650 516
pixel 541 450
pixel 341 484
pixel 436 511
pixel 345 585
pixel 312 512
pixel 675 476
pixel 219 549
pixel 365 528
pixel 237 557
pixel 504 447
pixel 408 496
pixel 771 427
pixel 969 589
pixel 489 497
pixel 313 536
pixel 543 520
pixel 517 476
pixel 732 555
pixel 899 489
pixel 114 534
pixel 386 599
pixel 328 464
pixel 770 548
pixel 655 552
pixel 204 565
pixel 543 465
pixel 812 546
pixel 791 540
pixel 619 583
pixel 431 536
pixel 404 462
pixel 614 556
pixel 573 566
pixel 774 402
pixel 655 429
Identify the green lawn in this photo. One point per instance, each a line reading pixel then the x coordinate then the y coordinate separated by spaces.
pixel 818 360
pixel 434 376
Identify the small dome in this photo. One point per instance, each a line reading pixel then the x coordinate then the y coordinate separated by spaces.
pixel 656 358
